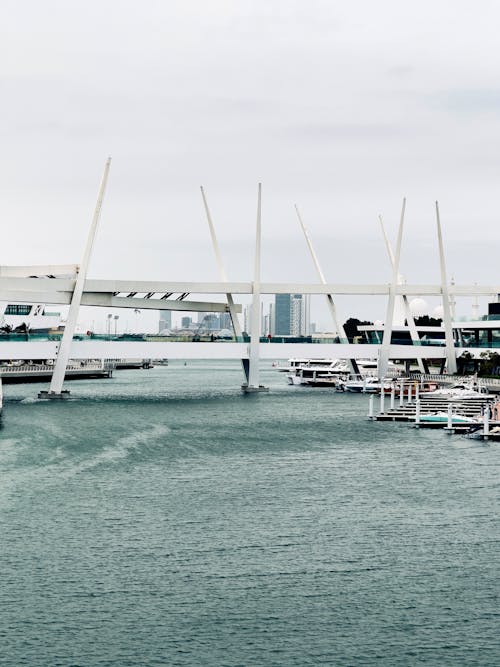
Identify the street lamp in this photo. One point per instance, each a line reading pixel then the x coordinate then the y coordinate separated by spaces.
pixel 117 317
pixel 108 325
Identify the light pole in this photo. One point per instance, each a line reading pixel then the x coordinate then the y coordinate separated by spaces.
pixel 116 323
pixel 108 325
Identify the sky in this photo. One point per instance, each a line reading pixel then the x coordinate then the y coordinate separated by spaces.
pixel 343 108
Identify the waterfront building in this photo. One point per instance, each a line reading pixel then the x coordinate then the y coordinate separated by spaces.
pixel 292 314
pixel 186 322
pixel 165 320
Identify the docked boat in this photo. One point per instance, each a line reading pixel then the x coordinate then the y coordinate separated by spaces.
pixel 366 385
pixel 316 372
pixel 442 418
pixel 458 392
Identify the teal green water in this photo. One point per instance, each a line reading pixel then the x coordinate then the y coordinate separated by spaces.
pixel 162 518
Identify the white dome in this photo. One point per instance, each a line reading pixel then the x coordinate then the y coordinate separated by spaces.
pixel 438 312
pixel 419 307
pixel 378 323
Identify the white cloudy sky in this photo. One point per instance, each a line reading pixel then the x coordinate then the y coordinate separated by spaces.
pixel 342 107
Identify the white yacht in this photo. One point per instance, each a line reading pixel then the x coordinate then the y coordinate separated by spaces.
pixel 27 316
pixel 316 372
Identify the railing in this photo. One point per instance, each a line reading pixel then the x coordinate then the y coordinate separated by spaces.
pixel 48 368
pixel 212 338
pixel 455 379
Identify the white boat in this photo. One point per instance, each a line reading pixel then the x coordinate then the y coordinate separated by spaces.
pixel 316 372
pixel 366 385
pixel 27 316
pixel 458 392
pixel 442 417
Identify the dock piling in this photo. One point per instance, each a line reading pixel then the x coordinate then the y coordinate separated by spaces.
pixel 382 396
pixel 486 422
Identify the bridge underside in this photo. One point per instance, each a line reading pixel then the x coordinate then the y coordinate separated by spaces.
pixel 227 350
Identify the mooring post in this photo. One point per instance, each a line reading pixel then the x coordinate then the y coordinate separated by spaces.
pixel 401 393
pixel 486 422
pixel 409 394
pixel 450 416
pixel 370 407
pixel 393 395
pixel 417 412
pixel 382 396
pixel 417 392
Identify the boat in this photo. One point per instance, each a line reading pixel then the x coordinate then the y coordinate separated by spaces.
pixel 458 392
pixel 315 372
pixel 358 384
pixel 442 418
pixel 23 317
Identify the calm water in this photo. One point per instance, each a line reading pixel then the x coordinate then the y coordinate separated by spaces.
pixel 162 518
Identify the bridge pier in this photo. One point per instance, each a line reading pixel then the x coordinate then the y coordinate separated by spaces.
pixel 52 395
pixel 56 383
pixel 253 385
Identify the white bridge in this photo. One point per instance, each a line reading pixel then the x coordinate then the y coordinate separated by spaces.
pixel 69 285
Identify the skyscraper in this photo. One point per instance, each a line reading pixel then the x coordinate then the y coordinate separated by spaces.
pixel 282 313
pixel 291 315
pixel 165 320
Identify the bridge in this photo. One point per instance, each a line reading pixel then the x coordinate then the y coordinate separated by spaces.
pixel 69 285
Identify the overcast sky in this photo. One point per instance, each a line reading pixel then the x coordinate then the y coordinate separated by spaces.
pixel 341 107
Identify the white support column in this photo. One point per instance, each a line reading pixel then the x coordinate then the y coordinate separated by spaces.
pixel 415 338
pixel 451 358
pixel 56 384
pixel 486 422
pixel 253 373
pixel 383 362
pixel 370 406
pixel 339 329
pixel 220 267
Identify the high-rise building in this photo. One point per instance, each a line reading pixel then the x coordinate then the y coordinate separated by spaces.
pixel 225 321
pixel 246 319
pixel 165 320
pixel 186 322
pixel 291 315
pixel 282 313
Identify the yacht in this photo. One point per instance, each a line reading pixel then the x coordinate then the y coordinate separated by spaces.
pixel 22 317
pixel 316 372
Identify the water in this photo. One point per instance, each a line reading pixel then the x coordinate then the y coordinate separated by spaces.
pixel 162 518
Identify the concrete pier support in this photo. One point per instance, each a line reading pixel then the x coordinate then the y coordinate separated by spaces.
pixel 223 276
pixel 383 361
pixel 339 329
pixel 56 384
pixel 451 357
pixel 253 385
